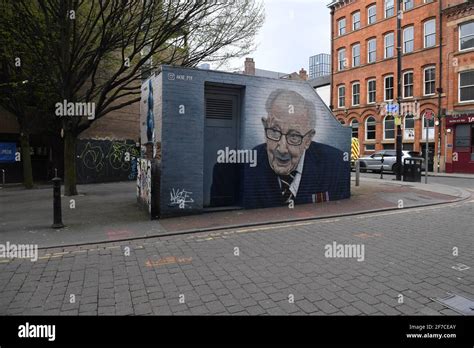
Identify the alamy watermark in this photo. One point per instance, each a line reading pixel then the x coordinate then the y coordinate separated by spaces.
pixel 37 331
pixel 66 108
pixel 237 156
pixel 20 251
pixel 336 250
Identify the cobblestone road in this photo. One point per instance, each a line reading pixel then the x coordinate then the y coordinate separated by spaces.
pixel 258 270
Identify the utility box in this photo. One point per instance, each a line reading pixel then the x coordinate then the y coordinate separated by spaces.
pixel 412 169
pixel 226 140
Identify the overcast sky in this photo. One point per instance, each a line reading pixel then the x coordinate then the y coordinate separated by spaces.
pixel 293 31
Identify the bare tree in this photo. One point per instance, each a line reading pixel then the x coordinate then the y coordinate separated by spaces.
pixel 97 51
pixel 23 92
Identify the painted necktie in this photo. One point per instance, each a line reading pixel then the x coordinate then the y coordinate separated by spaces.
pixel 286 181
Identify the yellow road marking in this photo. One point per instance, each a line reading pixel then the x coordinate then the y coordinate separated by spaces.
pixel 62 253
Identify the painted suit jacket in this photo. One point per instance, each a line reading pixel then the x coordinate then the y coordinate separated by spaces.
pixel 326 176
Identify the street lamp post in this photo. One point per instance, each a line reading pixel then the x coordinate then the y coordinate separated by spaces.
pixel 399 87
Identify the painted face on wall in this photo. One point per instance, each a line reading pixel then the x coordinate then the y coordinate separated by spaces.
pixel 288 132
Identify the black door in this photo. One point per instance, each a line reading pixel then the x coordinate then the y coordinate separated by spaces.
pixel 221 180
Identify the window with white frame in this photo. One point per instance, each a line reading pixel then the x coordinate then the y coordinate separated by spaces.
pixel 408 40
pixel 389 127
pixel 429 74
pixel 466 36
pixel 466 86
pixel 355 128
pixel 389 8
pixel 356 20
pixel 430 33
pixel 369 147
pixel 341 24
pixel 341 96
pixel 371 91
pixel 341 59
pixel 356 55
pixel 388 88
pixel 407 4
pixel 409 127
pixel 370 128
pixel 408 84
pixel 430 124
pixel 355 93
pixel 388 44
pixel 371 50
pixel 371 14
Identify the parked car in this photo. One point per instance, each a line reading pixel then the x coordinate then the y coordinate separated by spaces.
pixel 374 162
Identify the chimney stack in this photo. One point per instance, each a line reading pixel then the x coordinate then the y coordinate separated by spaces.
pixel 249 66
pixel 303 74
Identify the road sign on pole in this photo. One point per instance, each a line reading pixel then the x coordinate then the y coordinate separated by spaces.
pixel 398 120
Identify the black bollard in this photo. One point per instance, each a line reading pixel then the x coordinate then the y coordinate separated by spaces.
pixel 58 220
pixel 381 169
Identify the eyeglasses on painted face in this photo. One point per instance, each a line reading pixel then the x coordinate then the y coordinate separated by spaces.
pixel 292 138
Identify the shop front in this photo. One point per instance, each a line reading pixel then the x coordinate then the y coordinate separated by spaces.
pixel 460 144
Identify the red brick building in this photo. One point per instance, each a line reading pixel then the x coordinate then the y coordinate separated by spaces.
pixel 458 69
pixel 364 71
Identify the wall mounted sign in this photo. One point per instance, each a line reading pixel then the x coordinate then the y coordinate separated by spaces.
pixel 7 152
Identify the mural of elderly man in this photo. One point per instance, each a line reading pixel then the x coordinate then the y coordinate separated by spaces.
pixel 291 168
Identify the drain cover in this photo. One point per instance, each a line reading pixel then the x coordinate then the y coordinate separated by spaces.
pixel 457 303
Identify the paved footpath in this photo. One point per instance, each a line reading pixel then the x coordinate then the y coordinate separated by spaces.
pixel 109 212
pixel 258 270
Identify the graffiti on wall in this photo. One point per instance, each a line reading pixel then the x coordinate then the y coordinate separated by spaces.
pixel 150 118
pixel 180 198
pixel 291 168
pixel 144 183
pixel 133 169
pixel 106 160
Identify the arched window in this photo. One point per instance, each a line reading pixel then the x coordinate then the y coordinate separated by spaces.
pixel 355 128
pixel 341 121
pixel 409 128
pixel 389 127
pixel 370 128
pixel 430 127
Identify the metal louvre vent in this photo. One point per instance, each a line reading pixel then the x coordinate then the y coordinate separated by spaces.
pixel 219 108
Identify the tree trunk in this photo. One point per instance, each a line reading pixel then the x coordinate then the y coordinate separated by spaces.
pixel 26 160
pixel 70 188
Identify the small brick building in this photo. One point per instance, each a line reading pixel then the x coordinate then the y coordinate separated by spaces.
pixel 202 129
